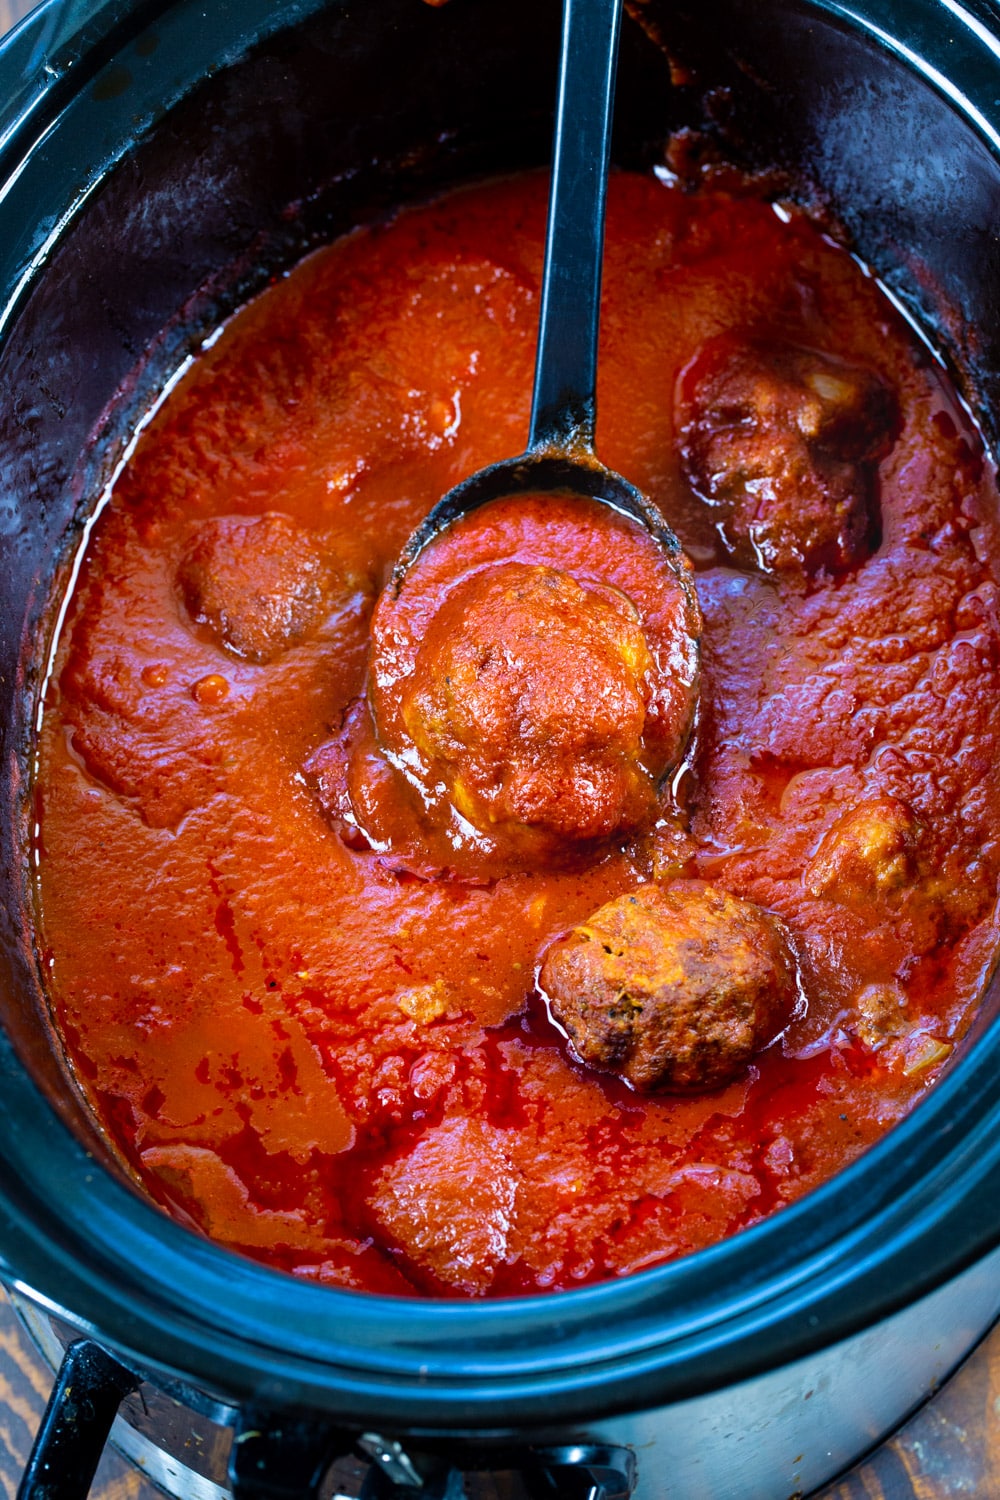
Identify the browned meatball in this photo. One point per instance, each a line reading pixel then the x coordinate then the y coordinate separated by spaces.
pixel 672 987
pixel 258 585
pixel 867 854
pixel 880 1015
pixel 785 442
pixel 529 701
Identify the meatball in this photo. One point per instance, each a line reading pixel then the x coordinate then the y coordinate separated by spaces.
pixel 784 441
pixel 529 701
pixel 880 1015
pixel 448 1204
pixel 672 987
pixel 867 854
pixel 258 585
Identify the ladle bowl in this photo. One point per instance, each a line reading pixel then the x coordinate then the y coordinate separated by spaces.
pixel 550 469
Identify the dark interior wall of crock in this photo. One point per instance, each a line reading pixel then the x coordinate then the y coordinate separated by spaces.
pixel 365 105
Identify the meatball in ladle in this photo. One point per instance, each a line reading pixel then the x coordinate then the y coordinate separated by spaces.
pixel 515 749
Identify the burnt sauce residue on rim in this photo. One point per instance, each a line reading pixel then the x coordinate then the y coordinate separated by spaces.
pixel 302 1002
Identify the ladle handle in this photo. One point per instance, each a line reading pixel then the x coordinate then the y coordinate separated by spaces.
pixel 564 406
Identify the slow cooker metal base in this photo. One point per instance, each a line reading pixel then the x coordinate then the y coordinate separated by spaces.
pixel 726 1445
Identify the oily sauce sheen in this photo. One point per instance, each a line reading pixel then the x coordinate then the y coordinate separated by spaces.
pixel 322 1044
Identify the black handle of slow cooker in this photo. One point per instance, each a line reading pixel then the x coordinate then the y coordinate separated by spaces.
pixel 279 1458
pixel 82 1405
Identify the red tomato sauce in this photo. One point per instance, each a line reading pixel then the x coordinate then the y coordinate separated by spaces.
pixel 333 1058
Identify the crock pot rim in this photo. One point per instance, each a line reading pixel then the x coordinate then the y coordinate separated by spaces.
pixel 53 1258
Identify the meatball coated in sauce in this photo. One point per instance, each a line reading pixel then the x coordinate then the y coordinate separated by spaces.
pixel 868 854
pixel 529 696
pixel 258 585
pixel 531 682
pixel 672 987
pixel 784 441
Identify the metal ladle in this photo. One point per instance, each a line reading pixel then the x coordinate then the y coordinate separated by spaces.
pixel 560 453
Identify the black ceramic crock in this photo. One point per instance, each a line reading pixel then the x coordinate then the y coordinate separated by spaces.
pixel 157 162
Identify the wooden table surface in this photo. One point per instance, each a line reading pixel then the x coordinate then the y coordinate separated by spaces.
pixel 13 10
pixel 949 1451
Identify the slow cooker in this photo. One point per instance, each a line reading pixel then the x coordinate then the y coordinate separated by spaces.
pixel 158 162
